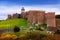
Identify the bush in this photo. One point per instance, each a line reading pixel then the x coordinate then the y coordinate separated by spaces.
pixel 36 36
pixel 49 37
pixel 43 25
pixel 8 37
pixel 16 29
pixel 29 35
pixel 57 32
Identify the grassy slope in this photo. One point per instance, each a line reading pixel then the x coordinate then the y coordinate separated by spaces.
pixel 9 24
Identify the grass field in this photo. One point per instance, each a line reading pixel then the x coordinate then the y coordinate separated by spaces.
pixel 9 24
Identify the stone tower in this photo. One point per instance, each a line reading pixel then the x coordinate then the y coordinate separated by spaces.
pixel 22 9
pixel 50 17
pixel 22 12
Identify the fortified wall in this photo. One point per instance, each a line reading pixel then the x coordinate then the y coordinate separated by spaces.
pixel 38 17
pixel 50 19
pixel 14 16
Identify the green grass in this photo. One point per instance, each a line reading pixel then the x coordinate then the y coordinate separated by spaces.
pixel 9 24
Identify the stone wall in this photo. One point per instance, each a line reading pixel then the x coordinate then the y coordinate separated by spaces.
pixel 10 16
pixel 58 22
pixel 50 19
pixel 40 17
pixel 35 16
pixel 15 15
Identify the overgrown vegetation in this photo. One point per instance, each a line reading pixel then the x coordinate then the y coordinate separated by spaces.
pixel 16 29
pixel 28 35
pixel 39 26
pixel 57 32
pixel 43 25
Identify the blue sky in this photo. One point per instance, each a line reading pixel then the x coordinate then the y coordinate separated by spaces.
pixel 14 6
pixel 29 2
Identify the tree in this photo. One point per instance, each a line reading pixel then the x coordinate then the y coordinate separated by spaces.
pixel 16 29
pixel 58 16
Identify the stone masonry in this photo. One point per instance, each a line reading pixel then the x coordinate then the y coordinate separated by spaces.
pixel 50 19
pixel 40 17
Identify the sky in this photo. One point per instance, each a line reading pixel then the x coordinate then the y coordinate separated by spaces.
pixel 14 6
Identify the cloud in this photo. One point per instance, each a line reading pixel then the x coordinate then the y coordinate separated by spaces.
pixel 5 10
pixel 46 8
pixel 3 17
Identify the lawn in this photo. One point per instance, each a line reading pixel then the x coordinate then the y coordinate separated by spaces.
pixel 9 24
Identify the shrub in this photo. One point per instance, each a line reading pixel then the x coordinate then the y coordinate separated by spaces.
pixel 49 37
pixel 43 25
pixel 16 29
pixel 8 37
pixel 29 35
pixel 57 32
pixel 36 36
